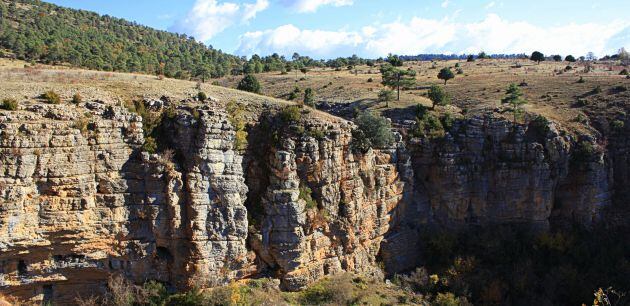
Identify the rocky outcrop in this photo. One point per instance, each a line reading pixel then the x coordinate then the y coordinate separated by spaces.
pixel 355 198
pixel 80 201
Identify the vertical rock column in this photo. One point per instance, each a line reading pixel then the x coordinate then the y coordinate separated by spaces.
pixel 216 211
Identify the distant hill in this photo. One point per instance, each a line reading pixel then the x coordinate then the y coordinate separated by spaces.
pixel 33 30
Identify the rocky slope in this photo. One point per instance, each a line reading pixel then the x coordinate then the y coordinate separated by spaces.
pixel 81 201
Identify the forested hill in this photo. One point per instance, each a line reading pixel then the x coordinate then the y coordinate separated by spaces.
pixel 37 31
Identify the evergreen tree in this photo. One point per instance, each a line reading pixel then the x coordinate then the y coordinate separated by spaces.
pixel 514 97
pixel 537 57
pixel 396 78
pixel 446 74
pixel 249 83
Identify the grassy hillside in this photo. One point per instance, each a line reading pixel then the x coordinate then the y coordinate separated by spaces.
pixel 33 30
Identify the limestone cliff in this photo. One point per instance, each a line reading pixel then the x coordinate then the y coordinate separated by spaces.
pixel 79 200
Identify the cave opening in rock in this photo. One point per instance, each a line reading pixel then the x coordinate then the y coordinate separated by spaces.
pixel 22 268
pixel 48 294
pixel 163 254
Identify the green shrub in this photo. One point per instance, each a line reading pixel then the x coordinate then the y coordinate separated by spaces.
pixel 624 72
pixel 429 126
pixel 447 121
pixel 584 152
pixel 201 96
pixel 291 114
pixel 617 125
pixel 376 132
pixel 9 104
pixel 581 80
pixel 541 125
pixel 249 83
pixel 317 134
pixel 51 97
pixel 236 117
pixel 438 95
pixel 306 194
pixel 77 99
pixel 309 97
pixel 190 298
pixel 150 145
pixel 155 293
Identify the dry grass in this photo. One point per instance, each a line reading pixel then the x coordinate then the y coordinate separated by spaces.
pixel 551 91
pixel 22 82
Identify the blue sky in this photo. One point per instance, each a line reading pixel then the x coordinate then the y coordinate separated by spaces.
pixel 372 28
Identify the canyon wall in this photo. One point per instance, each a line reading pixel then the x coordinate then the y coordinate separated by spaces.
pixel 80 202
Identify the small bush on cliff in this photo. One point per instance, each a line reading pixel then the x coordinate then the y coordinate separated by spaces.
pixel 236 117
pixel 291 114
pixel 540 124
pixel 306 194
pixel 429 126
pixel 51 97
pixel 9 104
pixel 617 125
pixel 201 96
pixel 373 131
pixel 317 134
pixel 584 152
pixel 150 145
pixel 81 124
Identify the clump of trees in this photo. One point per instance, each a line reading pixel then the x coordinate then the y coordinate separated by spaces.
pixel 570 58
pixel 250 84
pixel 38 31
pixel 373 131
pixel 396 78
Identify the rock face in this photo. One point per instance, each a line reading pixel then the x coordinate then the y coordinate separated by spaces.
pixel 81 201
pixel 355 198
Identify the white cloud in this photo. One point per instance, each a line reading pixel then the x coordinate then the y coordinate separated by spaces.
pixel 446 3
pixel 310 6
pixel 287 39
pixel 490 5
pixel 251 9
pixel 492 34
pixel 208 18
